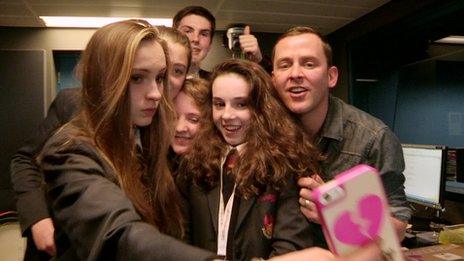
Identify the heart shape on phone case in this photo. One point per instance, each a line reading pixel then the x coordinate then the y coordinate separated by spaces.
pixel 370 214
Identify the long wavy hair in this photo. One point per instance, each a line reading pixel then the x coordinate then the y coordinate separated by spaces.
pixel 104 119
pixel 276 147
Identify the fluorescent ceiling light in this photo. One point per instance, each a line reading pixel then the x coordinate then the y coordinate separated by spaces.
pixel 95 22
pixel 366 80
pixel 452 39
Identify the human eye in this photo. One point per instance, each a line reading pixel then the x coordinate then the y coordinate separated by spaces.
pixel 194 119
pixel 309 64
pixel 160 78
pixel 242 104
pixel 283 65
pixel 186 30
pixel 205 33
pixel 136 78
pixel 218 104
pixel 179 71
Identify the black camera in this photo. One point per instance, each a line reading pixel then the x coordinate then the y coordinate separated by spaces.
pixel 233 33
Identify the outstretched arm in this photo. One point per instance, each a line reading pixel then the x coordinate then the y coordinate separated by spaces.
pixel 95 214
pixel 27 178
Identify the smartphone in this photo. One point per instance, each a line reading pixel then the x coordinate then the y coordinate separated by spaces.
pixel 354 212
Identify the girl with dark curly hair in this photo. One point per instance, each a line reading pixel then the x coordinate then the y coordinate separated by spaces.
pixel 246 206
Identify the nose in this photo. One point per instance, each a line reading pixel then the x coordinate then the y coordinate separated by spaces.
pixel 295 72
pixel 154 93
pixel 228 113
pixel 194 37
pixel 180 125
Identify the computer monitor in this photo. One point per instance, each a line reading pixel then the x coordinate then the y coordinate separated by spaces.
pixel 425 168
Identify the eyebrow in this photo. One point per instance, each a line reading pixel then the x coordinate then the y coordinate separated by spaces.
pixel 162 70
pixel 193 114
pixel 191 28
pixel 303 58
pixel 234 99
pixel 283 59
pixel 187 26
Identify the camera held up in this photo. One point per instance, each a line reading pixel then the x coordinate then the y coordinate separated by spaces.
pixel 233 40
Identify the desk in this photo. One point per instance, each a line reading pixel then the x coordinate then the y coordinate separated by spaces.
pixel 436 253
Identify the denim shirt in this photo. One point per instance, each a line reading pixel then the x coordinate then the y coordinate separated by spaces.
pixel 349 137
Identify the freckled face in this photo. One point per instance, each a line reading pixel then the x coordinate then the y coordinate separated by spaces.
pixel 187 123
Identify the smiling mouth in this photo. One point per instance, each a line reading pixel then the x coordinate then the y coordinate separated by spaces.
pixel 231 128
pixel 182 140
pixel 297 90
pixel 183 137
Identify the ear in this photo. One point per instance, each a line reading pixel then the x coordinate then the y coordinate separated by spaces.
pixel 210 45
pixel 332 76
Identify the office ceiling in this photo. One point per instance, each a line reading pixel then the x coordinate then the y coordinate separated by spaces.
pixel 263 15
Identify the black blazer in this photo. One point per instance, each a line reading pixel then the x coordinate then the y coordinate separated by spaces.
pixel 26 177
pixel 94 218
pixel 268 225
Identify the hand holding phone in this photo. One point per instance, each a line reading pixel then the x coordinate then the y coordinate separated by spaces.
pixel 353 211
pixel 308 207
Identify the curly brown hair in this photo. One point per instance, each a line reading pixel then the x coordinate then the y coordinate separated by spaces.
pixel 276 147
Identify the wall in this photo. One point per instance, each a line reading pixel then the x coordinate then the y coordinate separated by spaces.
pixel 50 39
pixel 422 102
pixel 21 99
pixel 430 103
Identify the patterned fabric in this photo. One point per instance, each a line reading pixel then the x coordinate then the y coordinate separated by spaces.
pixel 269 218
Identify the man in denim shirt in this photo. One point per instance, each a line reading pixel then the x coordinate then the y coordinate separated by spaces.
pixel 303 74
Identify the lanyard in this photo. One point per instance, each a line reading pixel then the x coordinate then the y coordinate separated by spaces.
pixel 224 220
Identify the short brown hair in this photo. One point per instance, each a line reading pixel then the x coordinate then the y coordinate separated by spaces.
pixel 195 10
pixel 299 30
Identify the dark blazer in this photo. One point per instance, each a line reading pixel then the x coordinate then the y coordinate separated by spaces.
pixel 205 75
pixel 26 176
pixel 268 225
pixel 94 218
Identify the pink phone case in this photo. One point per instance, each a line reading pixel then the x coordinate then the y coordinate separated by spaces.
pixel 353 212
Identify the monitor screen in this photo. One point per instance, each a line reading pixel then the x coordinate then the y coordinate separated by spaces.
pixel 425 174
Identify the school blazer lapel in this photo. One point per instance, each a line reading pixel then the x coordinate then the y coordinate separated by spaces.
pixel 213 203
pixel 244 208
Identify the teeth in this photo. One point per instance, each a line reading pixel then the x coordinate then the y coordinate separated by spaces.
pixel 297 89
pixel 231 127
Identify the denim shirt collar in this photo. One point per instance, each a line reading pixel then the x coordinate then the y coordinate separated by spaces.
pixel 333 124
